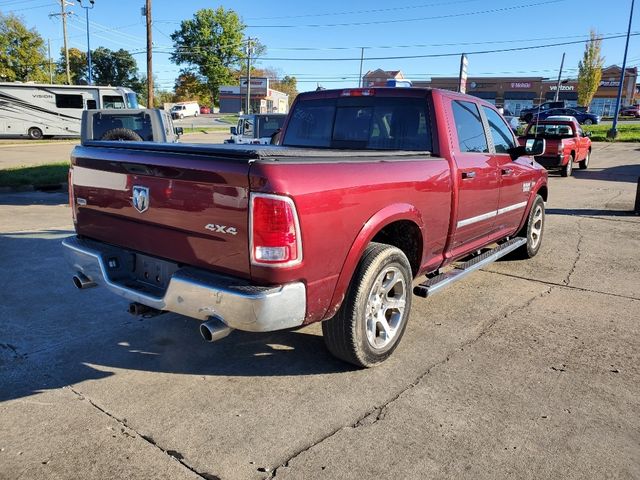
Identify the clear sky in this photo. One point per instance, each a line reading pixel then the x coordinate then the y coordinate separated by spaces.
pixel 296 31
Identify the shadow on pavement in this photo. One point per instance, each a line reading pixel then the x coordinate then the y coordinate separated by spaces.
pixel 53 335
pixel 620 173
pixel 34 198
pixel 589 211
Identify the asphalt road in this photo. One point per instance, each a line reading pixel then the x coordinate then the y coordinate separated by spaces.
pixel 527 369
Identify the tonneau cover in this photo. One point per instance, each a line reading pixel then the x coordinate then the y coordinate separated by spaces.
pixel 256 152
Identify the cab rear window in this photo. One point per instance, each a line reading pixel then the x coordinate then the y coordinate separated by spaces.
pixel 373 123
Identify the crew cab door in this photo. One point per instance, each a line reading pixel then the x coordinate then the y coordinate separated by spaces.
pixel 516 177
pixel 478 182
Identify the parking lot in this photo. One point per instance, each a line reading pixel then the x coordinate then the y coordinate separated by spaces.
pixel 527 369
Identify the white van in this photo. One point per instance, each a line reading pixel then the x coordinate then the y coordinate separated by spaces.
pixel 185 109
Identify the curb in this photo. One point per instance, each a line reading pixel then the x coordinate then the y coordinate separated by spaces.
pixel 55 187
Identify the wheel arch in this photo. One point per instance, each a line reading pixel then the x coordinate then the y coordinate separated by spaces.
pixel 400 225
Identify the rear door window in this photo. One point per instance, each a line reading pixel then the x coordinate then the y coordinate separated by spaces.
pixel 500 133
pixel 471 135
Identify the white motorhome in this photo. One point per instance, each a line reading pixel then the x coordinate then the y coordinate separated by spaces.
pixel 41 110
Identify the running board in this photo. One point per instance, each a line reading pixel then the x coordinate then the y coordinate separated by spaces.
pixel 434 284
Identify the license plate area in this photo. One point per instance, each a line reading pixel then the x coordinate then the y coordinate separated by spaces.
pixel 153 272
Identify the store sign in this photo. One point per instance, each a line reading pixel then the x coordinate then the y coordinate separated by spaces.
pixel 563 88
pixel 259 85
pixel 520 84
pixel 605 83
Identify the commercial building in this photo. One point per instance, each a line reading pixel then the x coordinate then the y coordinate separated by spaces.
pixel 517 93
pixel 233 98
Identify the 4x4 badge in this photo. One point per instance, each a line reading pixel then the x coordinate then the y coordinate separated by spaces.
pixel 140 198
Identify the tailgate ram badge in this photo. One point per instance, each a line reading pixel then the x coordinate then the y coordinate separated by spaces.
pixel 140 198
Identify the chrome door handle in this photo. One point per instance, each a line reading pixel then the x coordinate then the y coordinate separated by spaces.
pixel 468 175
pixel 507 171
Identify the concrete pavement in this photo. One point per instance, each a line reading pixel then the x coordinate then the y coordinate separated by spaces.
pixel 528 369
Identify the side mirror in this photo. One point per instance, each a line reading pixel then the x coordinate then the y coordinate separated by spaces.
pixel 179 131
pixel 233 130
pixel 535 146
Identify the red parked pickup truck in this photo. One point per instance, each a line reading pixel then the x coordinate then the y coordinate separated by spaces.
pixel 369 190
pixel 566 143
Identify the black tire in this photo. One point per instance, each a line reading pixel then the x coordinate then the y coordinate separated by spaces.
pixel 352 333
pixel 588 121
pixel 532 231
pixel 584 164
pixel 528 117
pixel 35 133
pixel 121 134
pixel 567 170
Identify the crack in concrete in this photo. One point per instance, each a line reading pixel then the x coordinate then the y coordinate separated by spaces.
pixel 561 285
pixel 567 279
pixel 617 219
pixel 171 453
pixel 378 413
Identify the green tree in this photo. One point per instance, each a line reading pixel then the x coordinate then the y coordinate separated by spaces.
pixel 22 53
pixel 190 87
pixel 116 68
pixel 77 66
pixel 211 44
pixel 590 70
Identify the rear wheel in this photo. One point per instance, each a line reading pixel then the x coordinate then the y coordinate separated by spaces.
pixel 532 230
pixel 373 316
pixel 588 121
pixel 568 168
pixel 35 133
pixel 584 164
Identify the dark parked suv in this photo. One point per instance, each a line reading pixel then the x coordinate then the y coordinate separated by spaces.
pixel 584 118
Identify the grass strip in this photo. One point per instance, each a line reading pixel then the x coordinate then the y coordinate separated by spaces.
pixel 626 132
pixel 40 175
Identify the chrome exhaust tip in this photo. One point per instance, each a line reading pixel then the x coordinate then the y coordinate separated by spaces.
pixel 81 281
pixel 214 329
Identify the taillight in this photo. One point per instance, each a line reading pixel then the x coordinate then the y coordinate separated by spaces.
pixel 72 197
pixel 275 231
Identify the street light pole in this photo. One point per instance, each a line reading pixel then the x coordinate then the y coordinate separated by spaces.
pixel 89 64
pixel 557 96
pixel 613 133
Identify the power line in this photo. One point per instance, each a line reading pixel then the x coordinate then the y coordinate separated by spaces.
pixel 358 12
pixel 406 20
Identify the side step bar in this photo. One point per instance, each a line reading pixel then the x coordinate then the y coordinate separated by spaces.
pixel 461 270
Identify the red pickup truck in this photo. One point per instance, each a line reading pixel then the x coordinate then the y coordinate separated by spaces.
pixel 566 143
pixel 369 190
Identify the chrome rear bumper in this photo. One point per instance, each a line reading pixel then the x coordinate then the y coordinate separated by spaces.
pixel 191 292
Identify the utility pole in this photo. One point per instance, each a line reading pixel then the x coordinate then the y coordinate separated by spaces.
pixel 559 76
pixel 613 133
pixel 360 83
pixel 63 14
pixel 248 75
pixel 147 12
pixel 50 67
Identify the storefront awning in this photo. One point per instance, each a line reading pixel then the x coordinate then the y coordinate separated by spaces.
pixel 519 95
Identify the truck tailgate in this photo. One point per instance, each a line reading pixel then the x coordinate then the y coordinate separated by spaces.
pixel 188 207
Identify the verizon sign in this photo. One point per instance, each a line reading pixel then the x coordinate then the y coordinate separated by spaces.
pixel 259 85
pixel 520 84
